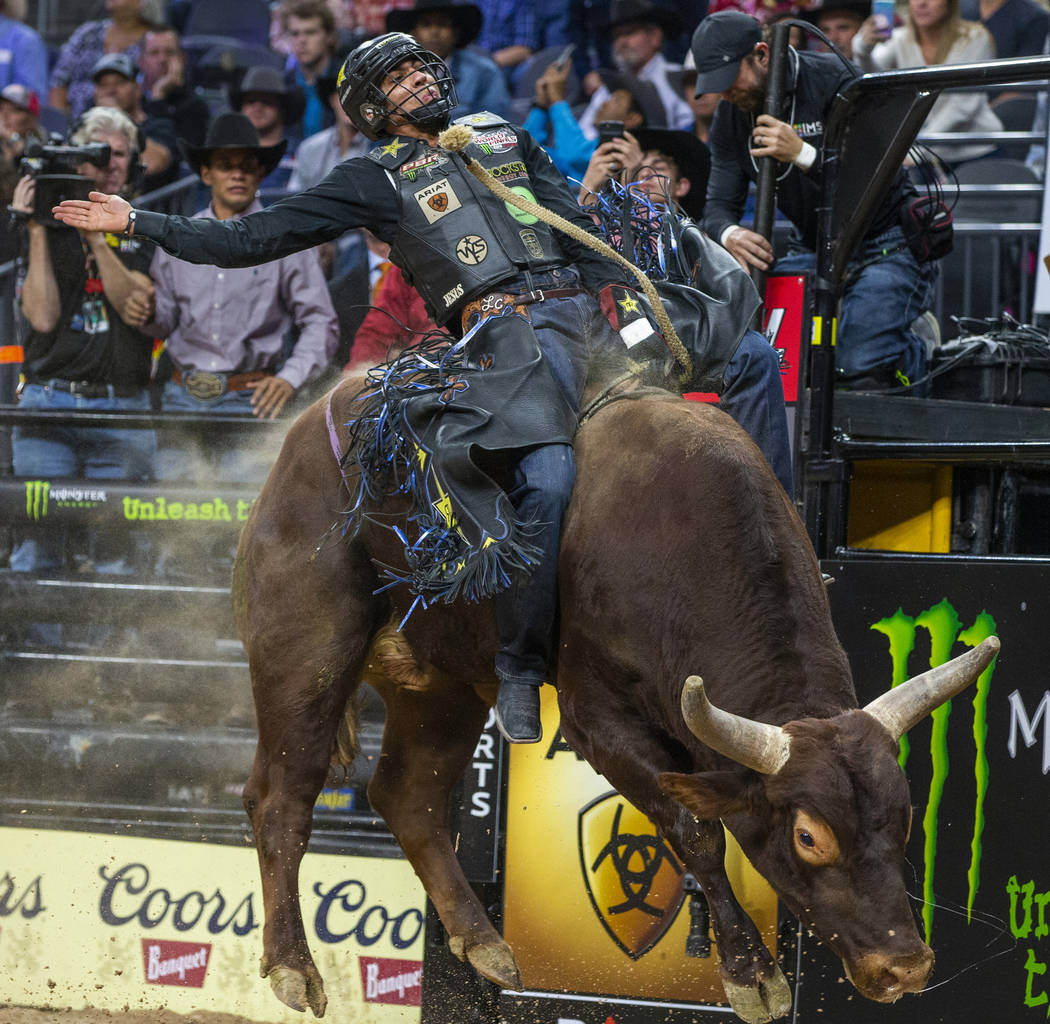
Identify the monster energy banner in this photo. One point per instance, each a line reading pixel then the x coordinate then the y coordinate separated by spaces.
pixel 979 772
pixel 115 503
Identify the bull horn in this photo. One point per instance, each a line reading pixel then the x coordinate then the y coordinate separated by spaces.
pixel 903 707
pixel 756 745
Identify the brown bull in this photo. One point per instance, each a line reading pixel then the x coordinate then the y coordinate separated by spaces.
pixel 681 556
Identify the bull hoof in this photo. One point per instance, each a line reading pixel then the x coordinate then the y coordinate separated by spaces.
pixel 495 961
pixel 298 990
pixel 769 1000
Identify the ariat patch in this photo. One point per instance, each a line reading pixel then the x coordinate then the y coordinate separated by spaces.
pixel 437 200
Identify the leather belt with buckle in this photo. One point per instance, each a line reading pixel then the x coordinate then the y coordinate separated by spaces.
pixel 497 303
pixel 204 385
pixel 88 389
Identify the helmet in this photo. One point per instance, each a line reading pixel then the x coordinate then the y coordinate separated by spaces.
pixel 361 77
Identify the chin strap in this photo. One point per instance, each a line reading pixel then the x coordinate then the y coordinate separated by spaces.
pixel 456 138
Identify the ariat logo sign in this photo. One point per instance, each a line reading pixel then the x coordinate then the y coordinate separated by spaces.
pixel 397 982
pixel 471 249
pixel 632 876
pixel 175 963
pixel 944 627
pixel 452 294
pixel 437 200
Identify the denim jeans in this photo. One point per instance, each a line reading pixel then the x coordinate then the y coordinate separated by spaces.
pixel 227 457
pixel 754 396
pixel 880 301
pixel 93 453
pixel 571 332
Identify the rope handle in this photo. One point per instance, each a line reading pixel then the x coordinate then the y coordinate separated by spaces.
pixel 458 136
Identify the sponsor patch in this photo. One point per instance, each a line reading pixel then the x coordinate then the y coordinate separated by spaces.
pixel 520 215
pixel 436 200
pixel 175 963
pixel 429 163
pixel 393 147
pixel 471 250
pixel 532 243
pixel 515 169
pixel 497 141
pixel 384 980
pixel 452 294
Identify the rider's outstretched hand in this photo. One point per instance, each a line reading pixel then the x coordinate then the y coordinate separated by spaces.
pixel 98 212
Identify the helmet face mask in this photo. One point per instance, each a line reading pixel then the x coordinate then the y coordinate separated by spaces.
pixel 364 72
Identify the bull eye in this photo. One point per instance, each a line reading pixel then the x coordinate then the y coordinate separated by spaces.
pixel 815 842
pixel 806 839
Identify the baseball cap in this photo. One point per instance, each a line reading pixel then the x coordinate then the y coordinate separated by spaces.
pixel 721 41
pixel 121 63
pixel 22 97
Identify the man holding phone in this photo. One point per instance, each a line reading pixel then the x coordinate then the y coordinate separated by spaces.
pixel 887 287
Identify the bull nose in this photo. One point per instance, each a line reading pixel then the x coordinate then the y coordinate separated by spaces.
pixel 884 978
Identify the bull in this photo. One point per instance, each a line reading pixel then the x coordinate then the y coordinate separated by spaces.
pixel 698 671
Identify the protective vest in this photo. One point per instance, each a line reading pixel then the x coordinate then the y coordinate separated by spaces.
pixel 457 240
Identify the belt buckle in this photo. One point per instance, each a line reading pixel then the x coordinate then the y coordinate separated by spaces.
pixel 203 385
pixel 538 295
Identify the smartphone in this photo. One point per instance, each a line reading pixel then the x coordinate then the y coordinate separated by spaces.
pixel 883 11
pixel 563 57
pixel 609 130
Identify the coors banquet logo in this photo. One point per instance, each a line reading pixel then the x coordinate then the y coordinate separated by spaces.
pixel 634 880
pixel 944 627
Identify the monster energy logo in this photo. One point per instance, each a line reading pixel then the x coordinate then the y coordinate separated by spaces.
pixel 37 492
pixel 944 627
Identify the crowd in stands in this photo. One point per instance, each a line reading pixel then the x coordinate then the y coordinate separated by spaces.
pixel 261 114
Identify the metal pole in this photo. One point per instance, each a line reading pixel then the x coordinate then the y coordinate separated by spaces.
pixel 766 186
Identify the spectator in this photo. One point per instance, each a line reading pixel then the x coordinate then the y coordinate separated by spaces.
pixel 447 29
pixel 19 107
pixel 226 329
pixel 23 54
pixel 933 33
pixel 321 152
pixel 638 29
pixel 1017 27
pixel 397 320
pixel 355 285
pixel 840 20
pixel 887 287
pixel 632 102
pixel 84 349
pixel 271 105
pixel 116 85
pixel 702 106
pixel 166 92
pixel 310 27
pixel 673 164
pixel 72 86
pixel 510 32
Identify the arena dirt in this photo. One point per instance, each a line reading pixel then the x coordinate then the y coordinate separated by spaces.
pixel 23 1015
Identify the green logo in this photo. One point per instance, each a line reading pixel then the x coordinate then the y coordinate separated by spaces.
pixel 37 492
pixel 520 215
pixel 944 627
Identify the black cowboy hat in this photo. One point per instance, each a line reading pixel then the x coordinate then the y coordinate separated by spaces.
pixel 266 79
pixel 691 157
pixel 860 8
pixel 643 12
pixel 466 18
pixel 232 130
pixel 646 97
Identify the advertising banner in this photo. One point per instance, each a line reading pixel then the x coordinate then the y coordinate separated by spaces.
pixel 979 774
pixel 596 903
pixel 785 319
pixel 116 921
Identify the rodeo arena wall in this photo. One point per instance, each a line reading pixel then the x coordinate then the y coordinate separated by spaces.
pixel 128 878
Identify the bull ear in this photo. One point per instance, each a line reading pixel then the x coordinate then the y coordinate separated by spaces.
pixel 708 795
pixel 899 709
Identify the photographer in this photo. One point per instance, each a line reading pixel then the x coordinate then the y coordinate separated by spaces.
pixel 83 349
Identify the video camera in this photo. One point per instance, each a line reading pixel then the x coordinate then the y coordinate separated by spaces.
pixel 54 166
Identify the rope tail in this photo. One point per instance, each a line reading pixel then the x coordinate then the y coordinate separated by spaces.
pixel 456 138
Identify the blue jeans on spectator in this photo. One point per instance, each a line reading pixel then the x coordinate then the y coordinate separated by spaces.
pixel 754 396
pixel 886 289
pixel 92 453
pixel 570 331
pixel 223 456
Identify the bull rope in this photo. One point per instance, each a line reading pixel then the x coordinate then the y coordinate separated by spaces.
pixel 458 136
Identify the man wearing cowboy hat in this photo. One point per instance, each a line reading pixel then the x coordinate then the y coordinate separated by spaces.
pixel 225 330
pixel 447 29
pixel 275 110
pixel 638 30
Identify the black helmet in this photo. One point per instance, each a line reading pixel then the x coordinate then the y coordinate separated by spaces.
pixel 362 75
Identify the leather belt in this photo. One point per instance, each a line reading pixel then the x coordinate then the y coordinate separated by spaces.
pixel 88 389
pixel 496 303
pixel 204 385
